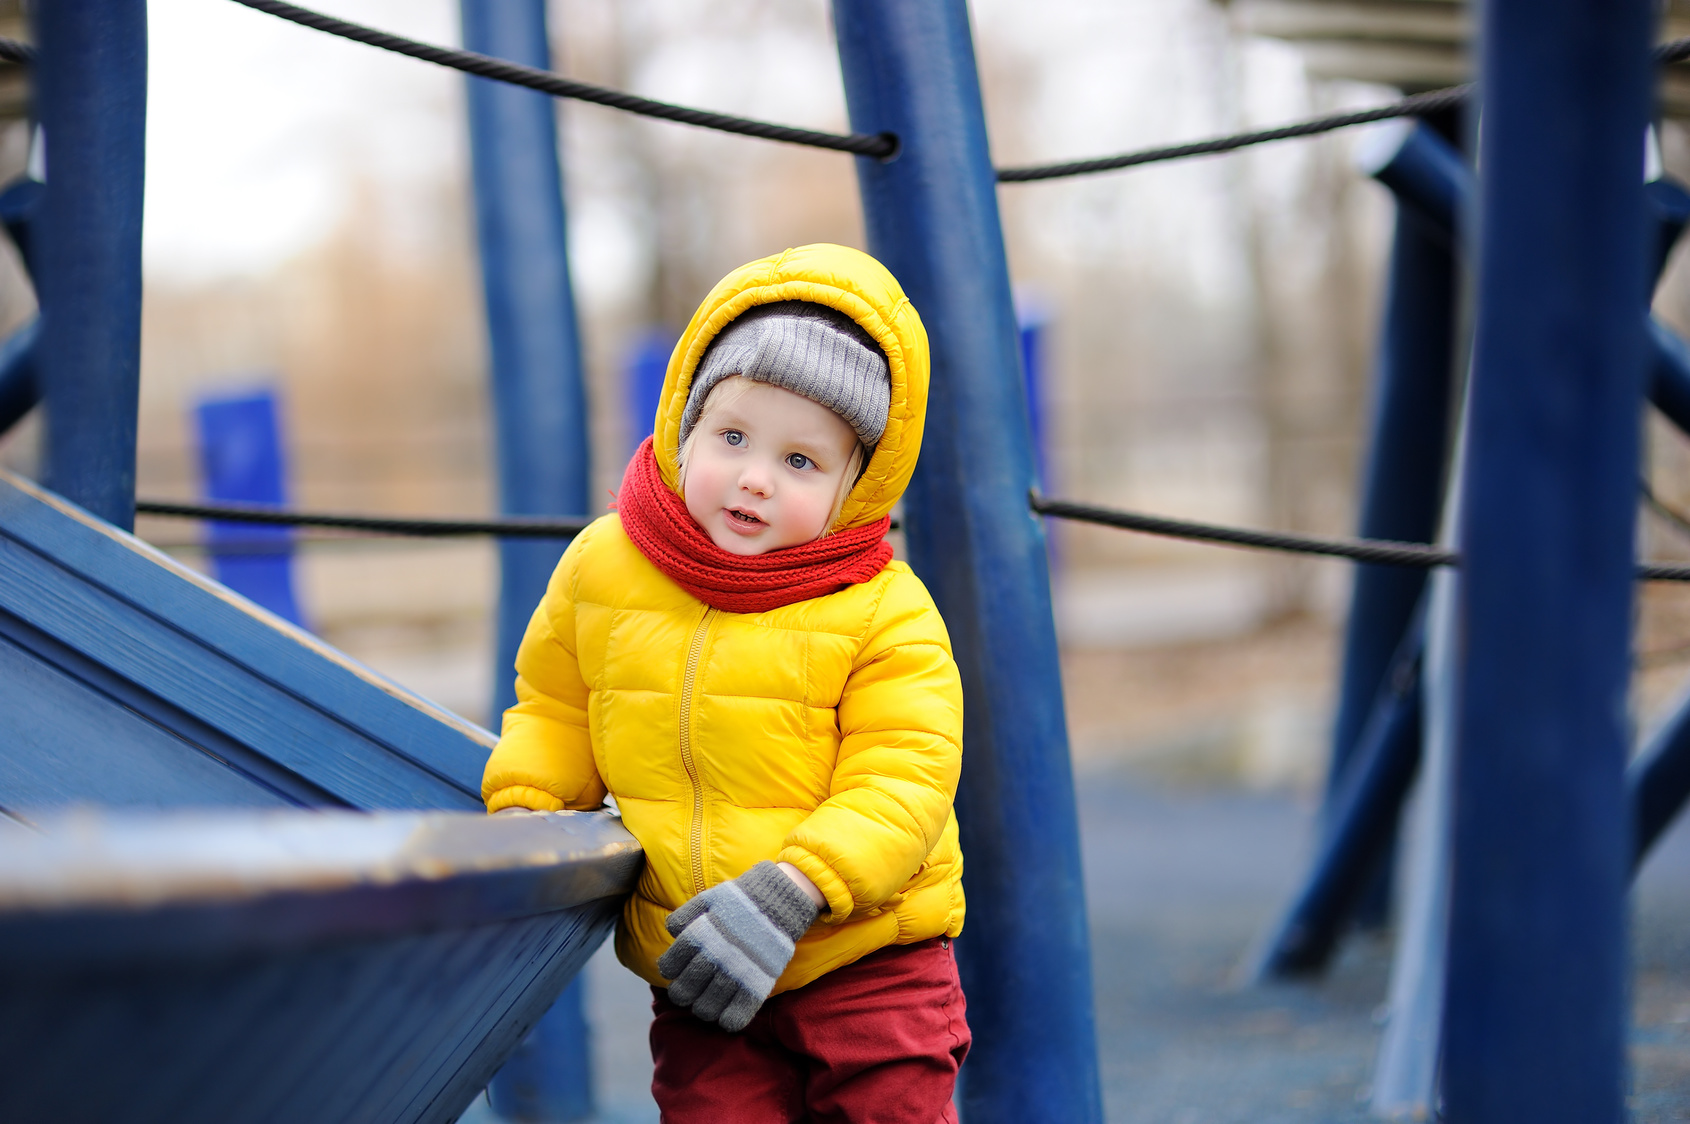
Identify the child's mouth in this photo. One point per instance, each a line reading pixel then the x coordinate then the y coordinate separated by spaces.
pixel 743 516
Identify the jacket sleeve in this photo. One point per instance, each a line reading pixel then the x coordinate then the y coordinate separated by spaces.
pixel 544 759
pixel 900 753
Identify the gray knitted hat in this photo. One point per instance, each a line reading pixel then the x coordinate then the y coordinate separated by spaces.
pixel 809 349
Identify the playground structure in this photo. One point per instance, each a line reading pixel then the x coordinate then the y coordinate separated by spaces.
pixel 1504 674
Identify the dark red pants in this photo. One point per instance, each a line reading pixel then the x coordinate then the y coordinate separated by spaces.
pixel 876 1041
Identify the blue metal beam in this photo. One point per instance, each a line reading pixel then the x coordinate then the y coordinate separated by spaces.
pixel 1427 176
pixel 91 81
pixel 1360 821
pixel 1534 1022
pixel 20 212
pixel 20 388
pixel 1669 203
pixel 1402 493
pixel 1402 487
pixel 1658 781
pixel 1669 374
pixel 932 216
pixel 540 420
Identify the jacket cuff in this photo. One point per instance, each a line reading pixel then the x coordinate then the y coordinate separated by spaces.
pixel 523 796
pixel 840 904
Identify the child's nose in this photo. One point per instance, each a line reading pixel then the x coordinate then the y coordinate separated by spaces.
pixel 756 480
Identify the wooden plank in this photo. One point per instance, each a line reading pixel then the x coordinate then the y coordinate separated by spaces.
pixel 108 691
pixel 175 667
pixel 481 1047
pixel 226 665
pixel 66 742
pixel 286 966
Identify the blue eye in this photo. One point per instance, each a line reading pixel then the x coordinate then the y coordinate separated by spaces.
pixel 800 461
pixel 733 437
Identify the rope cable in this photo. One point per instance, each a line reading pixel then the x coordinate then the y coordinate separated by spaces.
pixel 1375 551
pixel 880 146
pixel 513 527
pixel 1416 105
pixel 1419 105
pixel 1379 551
pixel 485 66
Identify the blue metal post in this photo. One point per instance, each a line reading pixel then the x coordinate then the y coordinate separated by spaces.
pixel 932 216
pixel 1360 821
pixel 91 80
pixel 1535 995
pixel 1402 488
pixel 540 424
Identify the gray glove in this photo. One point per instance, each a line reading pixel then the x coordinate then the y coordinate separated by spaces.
pixel 732 942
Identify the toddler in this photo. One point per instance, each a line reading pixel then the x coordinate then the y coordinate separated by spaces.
pixel 734 655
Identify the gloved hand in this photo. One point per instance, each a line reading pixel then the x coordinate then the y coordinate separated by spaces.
pixel 732 942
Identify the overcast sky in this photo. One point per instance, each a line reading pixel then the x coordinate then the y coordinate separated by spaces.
pixel 257 128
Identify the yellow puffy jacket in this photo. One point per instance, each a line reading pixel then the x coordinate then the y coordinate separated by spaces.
pixel 827 733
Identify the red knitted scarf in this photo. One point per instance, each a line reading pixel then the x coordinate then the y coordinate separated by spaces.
pixel 657 522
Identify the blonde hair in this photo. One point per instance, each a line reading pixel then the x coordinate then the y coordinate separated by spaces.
pixel 725 394
pixel 721 396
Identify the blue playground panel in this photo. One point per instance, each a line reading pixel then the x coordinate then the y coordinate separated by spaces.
pixel 241 461
pixel 648 362
pixel 130 679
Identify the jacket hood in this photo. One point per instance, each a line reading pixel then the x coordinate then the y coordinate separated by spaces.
pixel 863 289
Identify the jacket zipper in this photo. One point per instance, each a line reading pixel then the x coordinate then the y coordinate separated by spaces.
pixel 695 655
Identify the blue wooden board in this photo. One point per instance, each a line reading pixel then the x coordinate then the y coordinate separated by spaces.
pixel 207 967
pixel 398 1030
pixel 127 678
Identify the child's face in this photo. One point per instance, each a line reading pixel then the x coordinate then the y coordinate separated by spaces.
pixel 765 468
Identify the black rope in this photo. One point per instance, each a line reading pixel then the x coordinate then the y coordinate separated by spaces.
pixel 1433 101
pixel 1377 551
pixel 557 86
pixel 880 146
pixel 1381 552
pixel 1417 105
pixel 509 527
pixel 15 50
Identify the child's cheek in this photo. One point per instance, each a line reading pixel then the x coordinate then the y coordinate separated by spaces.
pixel 813 509
pixel 702 489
